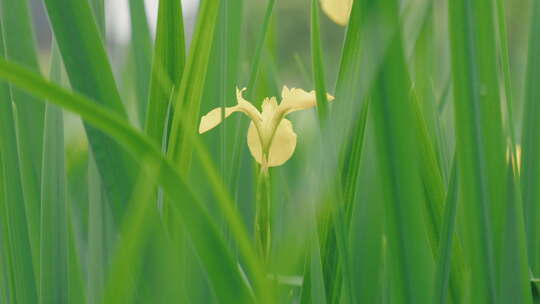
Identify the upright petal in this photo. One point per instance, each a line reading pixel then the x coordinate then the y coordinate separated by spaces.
pixel 246 106
pixel 269 107
pixel 337 10
pixel 298 99
pixel 282 146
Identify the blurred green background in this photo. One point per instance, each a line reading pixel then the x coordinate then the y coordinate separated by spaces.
pixel 404 192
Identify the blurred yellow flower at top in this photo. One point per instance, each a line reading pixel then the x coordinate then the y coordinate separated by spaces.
pixel 337 10
pixel 271 138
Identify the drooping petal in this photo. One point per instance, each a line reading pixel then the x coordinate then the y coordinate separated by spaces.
pixel 213 118
pixel 337 10
pixel 298 99
pixel 282 147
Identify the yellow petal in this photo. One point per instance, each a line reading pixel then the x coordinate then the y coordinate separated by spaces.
pixel 337 10
pixel 213 118
pixel 246 107
pixel 298 99
pixel 269 107
pixel 282 147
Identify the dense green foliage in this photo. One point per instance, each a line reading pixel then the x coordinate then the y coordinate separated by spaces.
pixel 409 187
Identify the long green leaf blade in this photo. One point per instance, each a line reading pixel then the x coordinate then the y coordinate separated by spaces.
pixel 142 54
pixel 531 145
pixel 5 284
pixel 479 140
pixel 97 231
pixel 20 47
pixel 446 242
pixel 140 221
pixel 189 94
pixel 87 66
pixel 222 269
pixel 515 271
pixel 98 9
pixel 366 226
pixel 167 67
pixel 350 114
pixel 21 264
pixel 318 63
pixel 54 261
pixel 410 259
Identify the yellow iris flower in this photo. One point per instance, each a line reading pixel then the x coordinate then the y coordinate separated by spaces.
pixel 337 10
pixel 270 138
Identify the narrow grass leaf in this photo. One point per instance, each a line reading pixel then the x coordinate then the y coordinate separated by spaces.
pixel 366 225
pixel 140 221
pixel 222 75
pixel 20 47
pixel 77 292
pixel 167 70
pixel 410 255
pixel 424 66
pixel 262 37
pixel 350 66
pixel 315 281
pixel 354 123
pixel 446 242
pixel 318 63
pixel 479 140
pixel 514 278
pixel 324 260
pixel 22 267
pixel 4 264
pixel 435 192
pixel 507 93
pixel 98 9
pixel 317 285
pixel 87 66
pixel 222 269
pixel 54 250
pixel 531 145
pixel 167 67
pixel 515 273
pixel 189 95
pixel 97 241
pixel 6 284
pixel 141 47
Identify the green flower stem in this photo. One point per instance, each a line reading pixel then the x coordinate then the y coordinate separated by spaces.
pixel 262 214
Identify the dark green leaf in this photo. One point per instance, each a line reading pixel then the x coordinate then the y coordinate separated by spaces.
pixel 87 66
pixel 167 67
